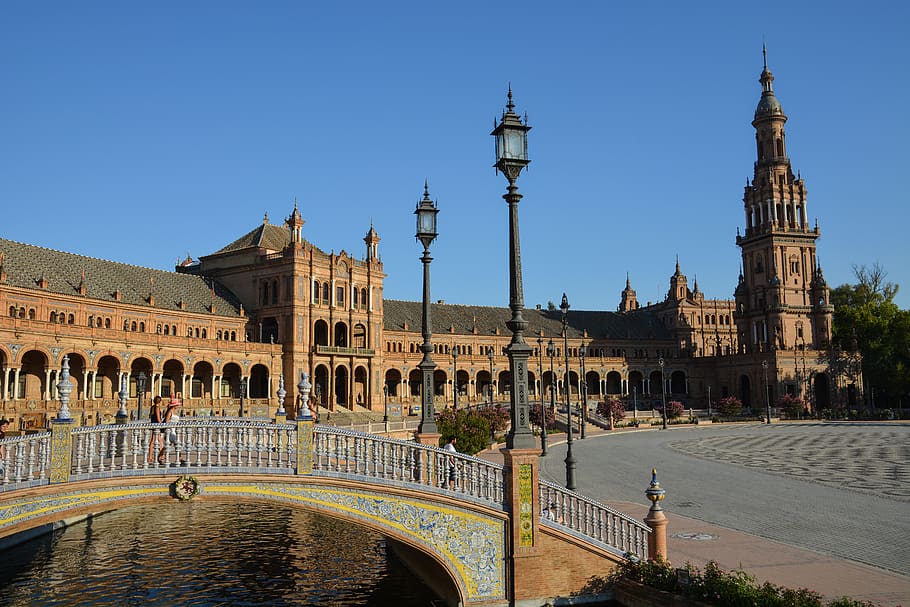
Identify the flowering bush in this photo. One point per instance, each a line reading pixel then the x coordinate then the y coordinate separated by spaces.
pixel 613 407
pixel 730 406
pixel 792 405
pixel 674 409
pixel 536 417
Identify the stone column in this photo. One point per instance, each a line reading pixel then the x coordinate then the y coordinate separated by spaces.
pixel 523 502
pixel 656 520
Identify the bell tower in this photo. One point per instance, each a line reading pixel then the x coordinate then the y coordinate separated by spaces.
pixel 779 290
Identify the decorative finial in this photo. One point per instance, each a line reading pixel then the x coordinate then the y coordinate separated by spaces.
pixel 295 203
pixel 764 54
pixel 426 189
pixel 654 492
pixel 281 393
pixel 510 106
pixel 265 218
pixel 303 388
pixel 64 388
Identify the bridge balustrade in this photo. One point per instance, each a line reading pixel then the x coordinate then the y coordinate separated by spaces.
pixel 26 460
pixel 344 452
pixel 566 509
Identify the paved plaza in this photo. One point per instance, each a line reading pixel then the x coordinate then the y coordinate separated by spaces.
pixel 822 493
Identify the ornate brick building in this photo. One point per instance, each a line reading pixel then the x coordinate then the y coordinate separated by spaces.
pixel 271 303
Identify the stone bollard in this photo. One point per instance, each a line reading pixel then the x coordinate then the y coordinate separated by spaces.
pixel 656 520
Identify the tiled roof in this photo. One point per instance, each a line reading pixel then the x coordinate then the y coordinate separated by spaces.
pixel 26 264
pixel 265 236
pixel 638 325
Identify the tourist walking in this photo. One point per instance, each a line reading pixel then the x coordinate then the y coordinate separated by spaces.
pixel 450 447
pixel 156 416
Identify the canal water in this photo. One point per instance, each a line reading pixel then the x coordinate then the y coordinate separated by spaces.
pixel 209 553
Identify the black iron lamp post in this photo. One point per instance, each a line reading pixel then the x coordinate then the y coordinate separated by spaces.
pixel 491 376
pixel 570 457
pixel 426 233
pixel 511 135
pixel 140 392
pixel 242 393
pixel 543 409
pixel 455 378
pixel 385 400
pixel 663 394
pixel 551 352
pixel 764 366
pixel 582 351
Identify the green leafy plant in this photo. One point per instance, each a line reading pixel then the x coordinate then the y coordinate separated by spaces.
pixel 715 586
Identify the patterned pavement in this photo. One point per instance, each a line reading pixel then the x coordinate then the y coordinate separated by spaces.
pixel 867 459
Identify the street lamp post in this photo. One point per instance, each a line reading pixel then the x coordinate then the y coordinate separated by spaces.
pixel 511 135
pixel 635 402
pixel 570 457
pixel 551 352
pixel 385 401
pixel 426 233
pixel 491 376
pixel 455 377
pixel 663 394
pixel 764 366
pixel 242 393
pixel 582 352
pixel 140 392
pixel 543 409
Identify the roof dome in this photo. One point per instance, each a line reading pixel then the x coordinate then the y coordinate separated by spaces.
pixel 768 105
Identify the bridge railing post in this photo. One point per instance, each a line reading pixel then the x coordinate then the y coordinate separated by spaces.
pixel 305 446
pixel 657 520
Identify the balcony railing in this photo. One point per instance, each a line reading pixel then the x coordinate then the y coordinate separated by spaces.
pixel 345 351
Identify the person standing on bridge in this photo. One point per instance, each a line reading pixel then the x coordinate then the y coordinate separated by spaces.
pixel 4 426
pixel 450 447
pixel 156 439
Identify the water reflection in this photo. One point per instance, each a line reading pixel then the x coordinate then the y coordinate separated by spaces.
pixel 205 553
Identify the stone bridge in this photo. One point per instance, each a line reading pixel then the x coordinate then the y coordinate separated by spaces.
pixel 501 536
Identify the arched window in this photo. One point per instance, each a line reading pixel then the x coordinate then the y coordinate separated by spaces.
pixel 142 327
pixel 204 336
pixel 274 291
pixel 218 334
pixel 107 323
pixel 325 293
pixel 167 329
pixel 264 299
pixel 91 319
pixel 71 319
pixel 780 147
pixel 133 326
pixel 53 317
pixel 355 298
pixel 196 330
pixel 315 291
pixel 363 298
pixel 126 325
pixel 233 336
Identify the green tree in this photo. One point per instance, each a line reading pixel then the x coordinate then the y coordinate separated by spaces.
pixel 470 427
pixel 868 322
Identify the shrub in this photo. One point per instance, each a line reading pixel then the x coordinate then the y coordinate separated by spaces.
pixel 536 415
pixel 730 406
pixel 613 407
pixel 675 409
pixel 792 405
pixel 470 427
pixel 715 586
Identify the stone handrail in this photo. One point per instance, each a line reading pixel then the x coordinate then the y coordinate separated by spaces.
pixel 570 511
pixel 25 460
pixel 257 447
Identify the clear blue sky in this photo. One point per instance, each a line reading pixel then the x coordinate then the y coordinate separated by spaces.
pixel 140 132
